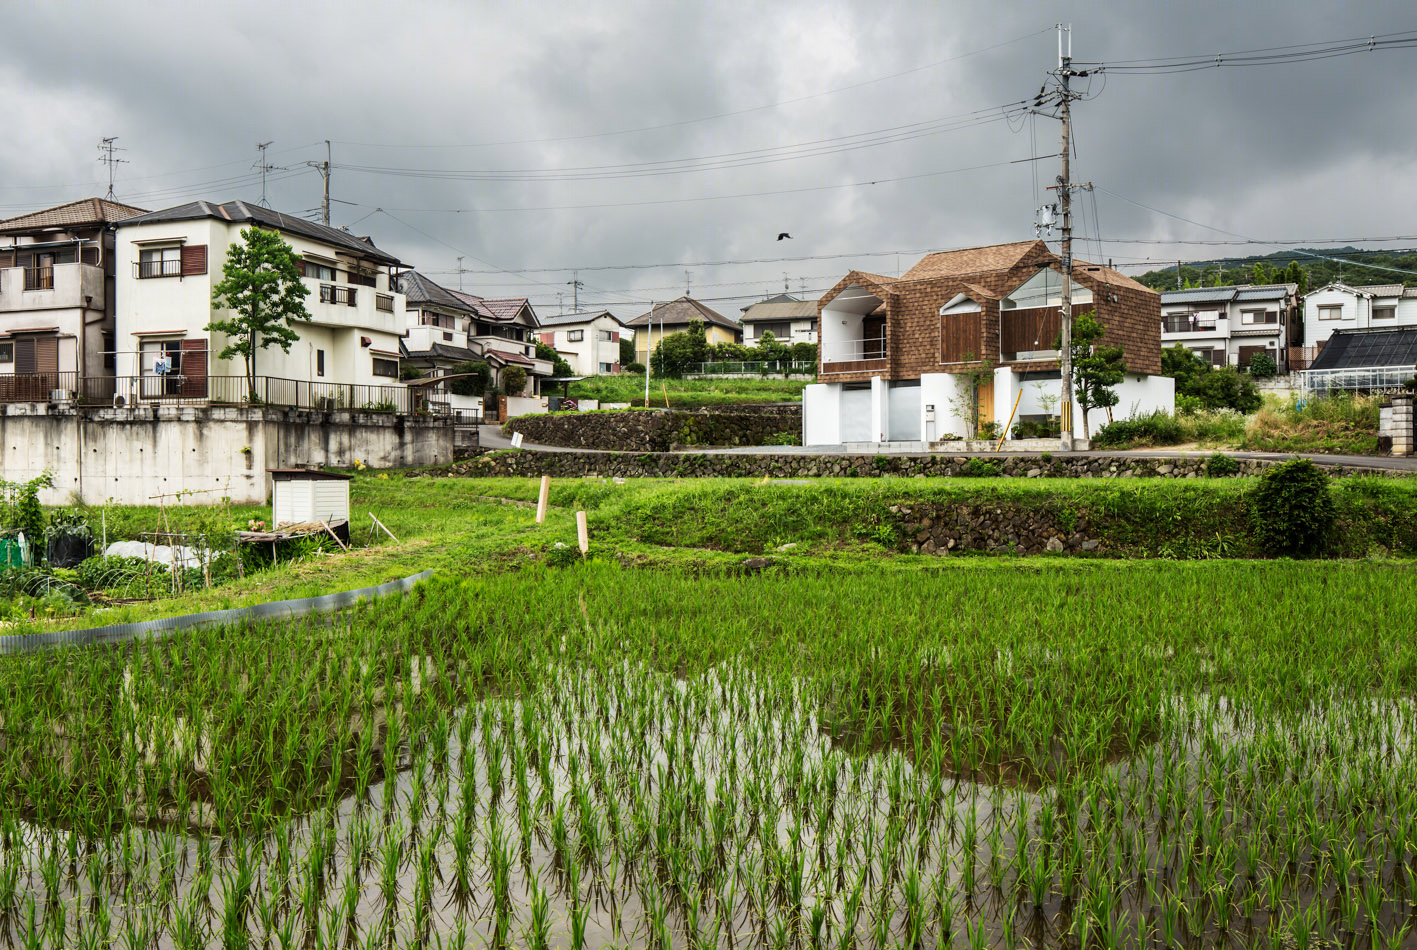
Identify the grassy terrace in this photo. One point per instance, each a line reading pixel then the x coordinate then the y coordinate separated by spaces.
pixel 689 393
pixel 859 747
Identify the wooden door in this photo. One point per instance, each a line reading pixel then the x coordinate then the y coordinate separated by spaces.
pixel 986 403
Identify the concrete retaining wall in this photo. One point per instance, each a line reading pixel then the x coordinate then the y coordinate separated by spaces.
pixel 132 455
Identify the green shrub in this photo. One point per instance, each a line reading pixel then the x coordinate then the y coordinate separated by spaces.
pixel 473 378
pixel 1046 428
pixel 1292 509
pixel 783 438
pixel 1262 366
pixel 637 368
pixel 1221 465
pixel 1157 428
pixel 981 468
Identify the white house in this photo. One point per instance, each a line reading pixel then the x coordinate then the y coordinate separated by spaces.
pixel 1228 326
pixel 1337 306
pixel 56 309
pixel 589 340
pixel 788 319
pixel 168 264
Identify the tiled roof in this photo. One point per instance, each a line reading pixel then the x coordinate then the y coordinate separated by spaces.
pixel 682 312
pixel 1358 349
pixel 581 316
pixel 1107 275
pixel 90 212
pixel 420 291
pixel 240 212
pixel 776 298
pixel 1381 290
pixel 1265 291
pixel 1199 295
pixel 505 309
pixel 442 351
pixel 780 310
pixel 971 260
pixel 508 357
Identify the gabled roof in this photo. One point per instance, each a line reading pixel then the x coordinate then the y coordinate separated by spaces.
pixel 1084 270
pixel 239 212
pixel 1381 290
pixel 780 310
pixel 682 312
pixel 1199 295
pixel 508 308
pixel 580 316
pixel 442 351
pixel 505 356
pixel 89 212
pixel 1358 349
pixel 419 291
pixel 972 260
pixel 776 298
pixel 1336 285
pixel 1250 292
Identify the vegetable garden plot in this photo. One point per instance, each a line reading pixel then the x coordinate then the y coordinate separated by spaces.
pixel 600 757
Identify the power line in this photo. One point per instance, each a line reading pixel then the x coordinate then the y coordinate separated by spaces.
pixel 1265 56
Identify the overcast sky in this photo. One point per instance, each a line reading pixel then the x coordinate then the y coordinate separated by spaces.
pixel 862 129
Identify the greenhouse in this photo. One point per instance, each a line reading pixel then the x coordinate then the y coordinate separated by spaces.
pixel 1363 361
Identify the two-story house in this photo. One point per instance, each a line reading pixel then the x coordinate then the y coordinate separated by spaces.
pixel 1228 326
pixel 446 327
pixel 901 359
pixel 1338 306
pixel 787 318
pixel 56 300
pixel 676 316
pixel 168 264
pixel 589 340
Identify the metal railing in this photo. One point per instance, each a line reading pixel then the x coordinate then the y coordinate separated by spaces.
pixel 851 351
pixel 384 302
pixel 177 389
pixel 1367 379
pixel 750 367
pixel 39 278
pixel 341 294
pixel 171 267
pixel 1186 323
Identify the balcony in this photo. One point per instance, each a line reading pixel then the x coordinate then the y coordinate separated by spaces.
pixel 1187 323
pixel 51 287
pixel 343 305
pixel 854 356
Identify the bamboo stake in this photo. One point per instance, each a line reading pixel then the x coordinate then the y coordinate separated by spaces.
pixel 381 525
pixel 582 533
pixel 331 532
pixel 542 498
pixel 1005 434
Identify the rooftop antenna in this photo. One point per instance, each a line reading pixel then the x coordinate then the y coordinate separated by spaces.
pixel 261 147
pixel 460 274
pixel 785 286
pixel 686 282
pixel 111 160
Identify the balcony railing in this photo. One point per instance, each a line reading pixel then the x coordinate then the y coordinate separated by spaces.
pixel 164 268
pixel 384 302
pixel 1185 323
pixel 852 351
pixel 341 294
pixel 752 368
pixel 175 389
pixel 39 278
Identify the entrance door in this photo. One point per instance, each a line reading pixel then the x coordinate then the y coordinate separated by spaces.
pixel 986 403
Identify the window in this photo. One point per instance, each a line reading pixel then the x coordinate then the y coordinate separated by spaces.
pixel 319 271
pixel 7 352
pixel 1259 316
pixel 607 367
pixel 575 336
pixel 160 357
pixel 160 262
pixel 110 356
pixel 319 362
pixel 1384 313
pixel 779 331
pixel 389 368
pixel 1215 357
pixel 605 336
pixel 1332 311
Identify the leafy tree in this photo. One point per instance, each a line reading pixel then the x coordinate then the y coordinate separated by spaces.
pixel 965 402
pixel 728 352
pixel 769 348
pixel 1096 369
pixel 1262 366
pixel 475 377
pixel 513 380
pixel 627 351
pixel 559 367
pixel 262 288
pixel 678 351
pixel 1228 389
pixel 804 352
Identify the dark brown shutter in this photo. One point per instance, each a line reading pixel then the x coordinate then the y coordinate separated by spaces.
pixel 24 357
pixel 194 259
pixel 46 354
pixel 194 368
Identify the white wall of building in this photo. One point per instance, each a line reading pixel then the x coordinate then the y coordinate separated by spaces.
pixel 821 414
pixel 596 352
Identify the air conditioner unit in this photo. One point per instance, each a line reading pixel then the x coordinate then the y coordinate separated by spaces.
pixel 60 395
pixel 118 402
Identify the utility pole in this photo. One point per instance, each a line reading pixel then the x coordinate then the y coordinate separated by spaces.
pixel 1065 201
pixel 324 169
pixel 1178 275
pixel 576 286
pixel 111 160
pixel 649 338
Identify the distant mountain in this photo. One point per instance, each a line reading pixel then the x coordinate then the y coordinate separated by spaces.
pixel 1317 265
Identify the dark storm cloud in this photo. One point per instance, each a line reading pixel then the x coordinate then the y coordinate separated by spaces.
pixel 1310 150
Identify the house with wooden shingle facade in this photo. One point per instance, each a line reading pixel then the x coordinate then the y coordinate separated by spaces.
pixel 900 357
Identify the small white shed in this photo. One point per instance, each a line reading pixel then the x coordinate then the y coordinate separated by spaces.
pixel 300 496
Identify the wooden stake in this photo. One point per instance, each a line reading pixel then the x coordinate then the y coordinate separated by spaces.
pixel 543 498
pixel 381 525
pixel 331 532
pixel 582 533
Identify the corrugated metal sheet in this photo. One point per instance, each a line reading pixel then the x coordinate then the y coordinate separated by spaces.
pixel 1357 349
pixel 1265 292
pixel 1199 295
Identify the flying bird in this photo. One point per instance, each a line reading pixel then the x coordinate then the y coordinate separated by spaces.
pixel 784 234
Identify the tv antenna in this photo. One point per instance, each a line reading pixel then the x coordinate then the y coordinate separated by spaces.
pixel 111 160
pixel 261 147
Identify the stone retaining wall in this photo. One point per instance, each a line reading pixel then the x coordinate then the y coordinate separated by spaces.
pixel 934 529
pixel 684 465
pixel 660 430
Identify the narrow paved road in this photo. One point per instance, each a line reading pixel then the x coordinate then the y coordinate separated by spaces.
pixel 492 438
